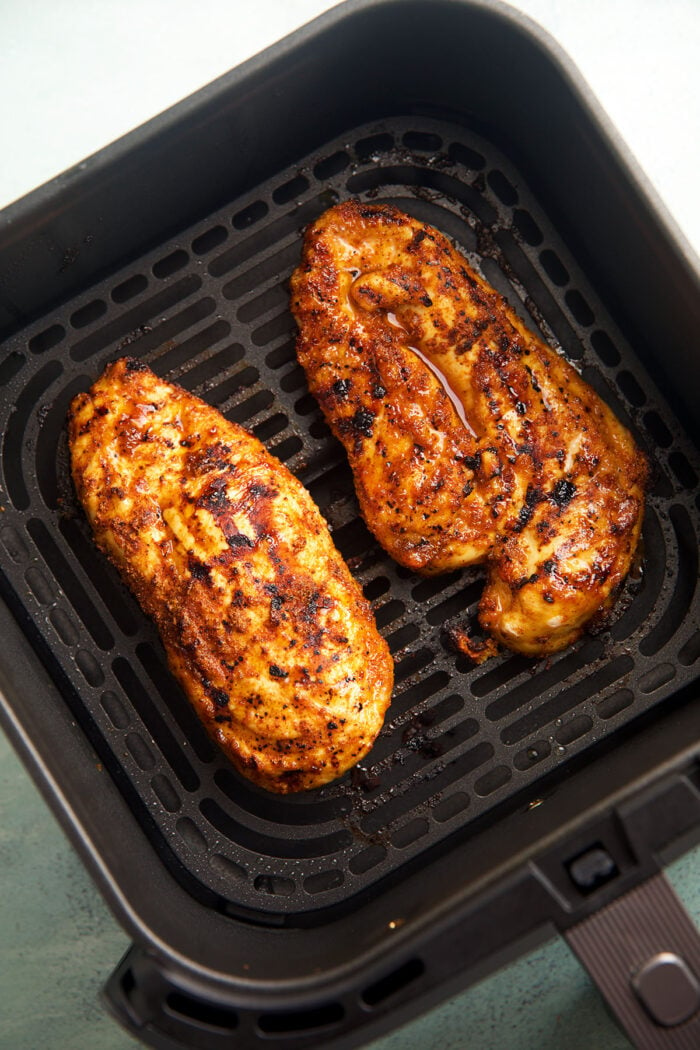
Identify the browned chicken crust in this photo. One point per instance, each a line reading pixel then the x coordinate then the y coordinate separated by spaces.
pixel 470 440
pixel 263 626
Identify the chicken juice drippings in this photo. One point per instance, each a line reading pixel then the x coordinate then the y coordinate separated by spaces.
pixel 439 375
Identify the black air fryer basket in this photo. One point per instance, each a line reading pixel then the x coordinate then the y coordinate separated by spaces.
pixel 500 802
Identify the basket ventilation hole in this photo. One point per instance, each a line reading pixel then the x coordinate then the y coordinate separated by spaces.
pixel 388 612
pixel 319 430
pixel 410 832
pixel 492 781
pixel 502 187
pixel 528 690
pixel 657 677
pixel 191 835
pixel 170 264
pixel 190 1009
pixel 449 807
pixel 658 430
pixel 252 406
pixel 271 299
pixel 468 158
pixel 210 239
pixel 455 605
pixel 527 227
pixel 89 313
pixel 141 752
pixel 293 380
pixel 89 668
pixel 281 355
pixel 299 1021
pixel 579 307
pixel 683 470
pixel 287 448
pixel 14 544
pixel 306 405
pixel 574 729
pixel 500 675
pixel 609 706
pixel 47 339
pixel 278 326
pixel 250 215
pixel 129 288
pixel 115 710
pixel 421 691
pixel 333 165
pixel 142 700
pixel 324 880
pixel 631 389
pixel 182 353
pixel 64 627
pixel 271 235
pixel 274 885
pixel 165 793
pixel 240 380
pixel 424 141
pixel 366 859
pixel 271 426
pixel 288 191
pixel 427 589
pixel 226 867
pixel 399 639
pixel 554 267
pixel 371 147
pixel 208 372
pixel 39 585
pixel 605 348
pixel 531 755
pixel 412 664
pixel 394 982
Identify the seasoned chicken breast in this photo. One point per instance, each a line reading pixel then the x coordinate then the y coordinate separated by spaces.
pixel 263 626
pixel 470 440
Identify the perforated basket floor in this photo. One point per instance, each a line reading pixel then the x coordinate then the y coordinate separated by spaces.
pixel 209 310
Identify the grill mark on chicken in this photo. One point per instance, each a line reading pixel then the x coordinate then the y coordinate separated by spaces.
pixel 534 470
pixel 262 624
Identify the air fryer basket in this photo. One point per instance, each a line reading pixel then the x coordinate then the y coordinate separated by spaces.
pixel 465 751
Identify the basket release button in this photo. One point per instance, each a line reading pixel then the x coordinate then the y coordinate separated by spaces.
pixel 592 869
pixel 668 989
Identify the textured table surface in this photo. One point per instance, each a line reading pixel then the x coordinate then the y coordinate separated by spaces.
pixel 75 75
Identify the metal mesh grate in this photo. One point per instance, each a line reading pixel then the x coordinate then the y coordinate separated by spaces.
pixel 209 310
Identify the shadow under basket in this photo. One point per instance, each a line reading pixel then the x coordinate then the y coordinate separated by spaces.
pixel 500 801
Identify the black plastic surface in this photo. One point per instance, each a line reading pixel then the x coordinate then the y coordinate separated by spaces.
pixel 476 142
pixel 210 310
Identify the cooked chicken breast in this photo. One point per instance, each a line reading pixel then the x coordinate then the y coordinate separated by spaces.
pixel 470 440
pixel 263 626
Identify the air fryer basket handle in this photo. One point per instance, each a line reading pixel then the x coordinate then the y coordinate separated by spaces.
pixel 643 952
